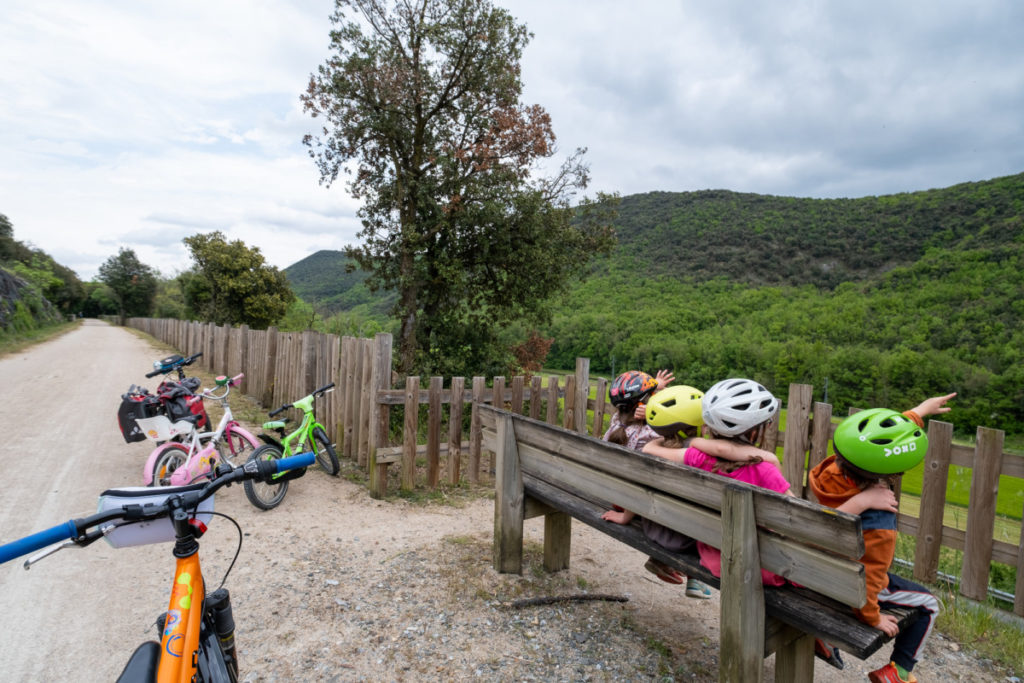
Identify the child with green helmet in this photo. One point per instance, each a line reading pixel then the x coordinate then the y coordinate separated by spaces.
pixel 872 449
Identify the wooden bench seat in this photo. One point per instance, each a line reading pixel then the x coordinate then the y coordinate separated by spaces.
pixel 545 470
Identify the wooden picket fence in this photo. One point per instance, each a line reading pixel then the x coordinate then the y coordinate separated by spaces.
pixel 281 367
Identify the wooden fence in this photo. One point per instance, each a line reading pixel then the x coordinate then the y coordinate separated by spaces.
pixel 281 367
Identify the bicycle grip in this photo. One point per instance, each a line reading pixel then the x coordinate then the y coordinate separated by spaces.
pixel 23 546
pixel 294 461
pixel 153 374
pixel 274 413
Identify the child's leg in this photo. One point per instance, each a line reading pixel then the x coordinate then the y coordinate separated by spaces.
pixel 910 642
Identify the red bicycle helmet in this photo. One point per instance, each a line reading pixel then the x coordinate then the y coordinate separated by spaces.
pixel 631 388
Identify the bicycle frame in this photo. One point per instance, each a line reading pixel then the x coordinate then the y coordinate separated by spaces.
pixel 197 629
pixel 201 459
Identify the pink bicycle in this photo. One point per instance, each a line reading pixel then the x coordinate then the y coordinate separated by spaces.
pixel 177 463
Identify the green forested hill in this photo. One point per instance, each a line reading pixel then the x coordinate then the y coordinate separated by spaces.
pixel 321 280
pixel 886 299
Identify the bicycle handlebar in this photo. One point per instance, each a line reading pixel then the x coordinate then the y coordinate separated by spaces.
pixel 164 370
pixel 193 495
pixel 316 392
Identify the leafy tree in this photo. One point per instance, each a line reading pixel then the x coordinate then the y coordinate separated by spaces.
pixel 132 283
pixel 422 101
pixel 231 283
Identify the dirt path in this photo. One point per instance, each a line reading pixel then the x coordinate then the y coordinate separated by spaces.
pixel 332 585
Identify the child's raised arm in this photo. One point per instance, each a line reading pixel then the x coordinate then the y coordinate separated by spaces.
pixel 876 497
pixel 730 450
pixel 934 405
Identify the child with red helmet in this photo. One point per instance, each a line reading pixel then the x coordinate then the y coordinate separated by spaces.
pixel 872 449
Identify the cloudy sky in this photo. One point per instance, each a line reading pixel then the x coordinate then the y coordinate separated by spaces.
pixel 135 124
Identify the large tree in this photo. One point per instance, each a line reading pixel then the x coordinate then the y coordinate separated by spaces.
pixel 132 282
pixel 231 283
pixel 421 102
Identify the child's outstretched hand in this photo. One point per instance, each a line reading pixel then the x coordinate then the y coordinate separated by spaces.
pixel 934 405
pixel 664 378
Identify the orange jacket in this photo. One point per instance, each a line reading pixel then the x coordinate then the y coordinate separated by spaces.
pixel 833 488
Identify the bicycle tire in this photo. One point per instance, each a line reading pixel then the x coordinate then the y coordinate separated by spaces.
pixel 174 456
pixel 325 454
pixel 235 449
pixel 211 664
pixel 265 496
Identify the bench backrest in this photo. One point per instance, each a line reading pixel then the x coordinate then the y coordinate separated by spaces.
pixel 809 544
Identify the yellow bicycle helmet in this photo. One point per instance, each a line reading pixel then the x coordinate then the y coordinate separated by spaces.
pixel 673 409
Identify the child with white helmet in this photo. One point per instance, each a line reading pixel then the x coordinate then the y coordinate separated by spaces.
pixel 872 449
pixel 737 411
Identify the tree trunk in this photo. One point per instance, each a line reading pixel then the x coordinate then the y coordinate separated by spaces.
pixel 408 306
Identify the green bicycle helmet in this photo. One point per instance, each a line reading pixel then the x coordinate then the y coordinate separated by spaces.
pixel 631 388
pixel 880 441
pixel 673 409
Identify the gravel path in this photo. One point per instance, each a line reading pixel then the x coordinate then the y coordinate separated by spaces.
pixel 332 585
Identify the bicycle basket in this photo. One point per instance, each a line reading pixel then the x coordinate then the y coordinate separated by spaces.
pixel 135 406
pixel 152 531
pixel 161 428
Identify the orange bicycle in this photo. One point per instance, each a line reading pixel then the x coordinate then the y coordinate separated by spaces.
pixel 197 630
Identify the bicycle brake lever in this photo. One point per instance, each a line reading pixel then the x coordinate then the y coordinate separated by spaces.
pixel 46 553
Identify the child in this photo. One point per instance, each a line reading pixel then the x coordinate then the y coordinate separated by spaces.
pixel 739 410
pixel 629 393
pixel 873 448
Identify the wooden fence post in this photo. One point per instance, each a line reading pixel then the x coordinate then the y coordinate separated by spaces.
pixel 434 431
pixel 741 624
pixel 600 393
pixel 517 394
pixel 269 366
pixel 933 499
pixel 981 513
pixel 582 393
pixel 509 500
pixel 535 396
pixel 455 407
pixel 412 425
pixel 569 403
pixel 349 346
pixel 380 414
pixel 794 454
pixel 551 417
pixel 821 431
pixel 366 397
pixel 475 429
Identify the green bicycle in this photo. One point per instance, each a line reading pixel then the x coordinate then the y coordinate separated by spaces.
pixel 269 494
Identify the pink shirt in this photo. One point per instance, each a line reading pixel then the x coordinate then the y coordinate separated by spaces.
pixel 763 474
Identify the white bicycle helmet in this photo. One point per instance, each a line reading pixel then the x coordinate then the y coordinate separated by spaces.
pixel 735 406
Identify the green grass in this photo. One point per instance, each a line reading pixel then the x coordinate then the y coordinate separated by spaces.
pixel 11 342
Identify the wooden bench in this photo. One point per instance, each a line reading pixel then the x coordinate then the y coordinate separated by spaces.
pixel 545 470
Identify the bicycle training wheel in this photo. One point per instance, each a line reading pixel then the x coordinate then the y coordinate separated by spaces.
pixel 265 495
pixel 235 449
pixel 325 454
pixel 173 457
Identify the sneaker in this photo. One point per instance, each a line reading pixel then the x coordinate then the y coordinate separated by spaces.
pixel 697 589
pixel 663 571
pixel 889 674
pixel 827 652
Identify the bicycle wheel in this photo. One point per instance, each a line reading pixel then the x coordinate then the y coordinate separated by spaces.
pixel 265 495
pixel 325 454
pixel 174 456
pixel 235 448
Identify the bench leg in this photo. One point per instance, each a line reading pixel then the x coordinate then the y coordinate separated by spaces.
pixel 509 501
pixel 741 645
pixel 794 661
pixel 557 541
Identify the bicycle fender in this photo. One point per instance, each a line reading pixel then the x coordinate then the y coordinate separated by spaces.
pixel 147 473
pixel 266 438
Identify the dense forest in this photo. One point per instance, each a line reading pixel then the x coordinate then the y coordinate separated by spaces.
pixel 884 300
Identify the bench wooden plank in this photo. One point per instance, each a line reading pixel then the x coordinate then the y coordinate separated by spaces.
pixel 803 520
pixel 837 577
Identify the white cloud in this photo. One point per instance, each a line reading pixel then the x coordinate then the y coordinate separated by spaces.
pixel 135 124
